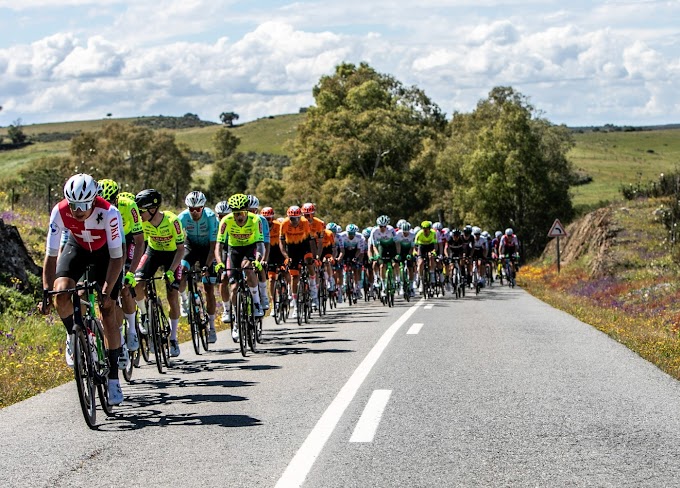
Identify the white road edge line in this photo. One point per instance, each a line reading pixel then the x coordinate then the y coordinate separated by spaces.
pixel 428 307
pixel 302 462
pixel 370 418
pixel 415 328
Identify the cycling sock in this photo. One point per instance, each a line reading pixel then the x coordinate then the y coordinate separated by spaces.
pixel 185 296
pixel 141 305
pixel 227 306
pixel 114 354
pixel 211 321
pixel 256 295
pixel 131 319
pixel 173 329
pixel 263 289
pixel 68 323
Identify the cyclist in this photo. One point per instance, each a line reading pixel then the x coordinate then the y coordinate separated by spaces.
pixel 426 248
pixel 275 259
pixel 509 246
pixel 495 244
pixel 368 258
pixel 95 239
pixel 200 230
pixel 253 207
pixel 241 230
pixel 406 240
pixel 455 247
pixel 329 253
pixel 133 250
pixel 479 253
pixel 384 247
pixel 353 249
pixel 164 248
pixel 297 247
pixel 316 230
pixel 438 229
pixel 222 210
pixel 337 267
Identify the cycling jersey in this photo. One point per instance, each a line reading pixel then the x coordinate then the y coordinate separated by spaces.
pixel 422 239
pixel 316 227
pixel 132 222
pixel 294 235
pixel 406 240
pixel 101 228
pixel 328 238
pixel 355 244
pixel 234 235
pixel 202 231
pixel 274 231
pixel 166 236
pixel 508 244
pixel 383 238
pixel 265 229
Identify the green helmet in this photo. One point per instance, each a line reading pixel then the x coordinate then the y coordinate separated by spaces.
pixel 108 190
pixel 126 194
pixel 237 202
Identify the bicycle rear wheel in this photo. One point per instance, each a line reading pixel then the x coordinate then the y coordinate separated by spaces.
pixel 278 304
pixel 165 337
pixel 101 369
pixel 134 356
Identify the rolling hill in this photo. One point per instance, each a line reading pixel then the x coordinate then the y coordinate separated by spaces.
pixel 610 158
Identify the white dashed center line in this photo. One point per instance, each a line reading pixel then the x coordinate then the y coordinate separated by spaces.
pixel 415 328
pixel 370 418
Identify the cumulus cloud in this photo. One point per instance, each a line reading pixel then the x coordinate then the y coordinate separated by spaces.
pixel 187 57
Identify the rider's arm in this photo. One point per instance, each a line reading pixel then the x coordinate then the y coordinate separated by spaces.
pixel 138 241
pixel 211 253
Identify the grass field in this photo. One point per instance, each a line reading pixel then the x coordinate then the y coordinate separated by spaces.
pixel 619 158
pixel 612 159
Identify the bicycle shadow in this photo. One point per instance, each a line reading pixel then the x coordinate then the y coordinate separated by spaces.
pixel 142 419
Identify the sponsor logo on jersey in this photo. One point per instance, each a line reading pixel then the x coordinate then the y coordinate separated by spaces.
pixel 178 227
pixel 53 228
pixel 135 215
pixel 115 230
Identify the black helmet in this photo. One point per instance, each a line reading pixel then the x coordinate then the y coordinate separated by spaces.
pixel 455 232
pixel 467 230
pixel 148 198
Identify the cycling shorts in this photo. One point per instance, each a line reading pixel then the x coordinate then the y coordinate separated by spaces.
pixel 152 260
pixel 74 259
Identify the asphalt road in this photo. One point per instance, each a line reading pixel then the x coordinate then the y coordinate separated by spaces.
pixel 495 390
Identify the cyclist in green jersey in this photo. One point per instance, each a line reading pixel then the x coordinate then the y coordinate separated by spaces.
pixel 241 230
pixel 165 247
pixel 426 244
pixel 133 249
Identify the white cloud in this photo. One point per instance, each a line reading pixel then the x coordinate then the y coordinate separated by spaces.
pixel 574 61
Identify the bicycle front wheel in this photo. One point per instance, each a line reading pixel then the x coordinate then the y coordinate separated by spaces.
pixel 194 324
pixel 242 318
pixel 155 335
pixel 83 370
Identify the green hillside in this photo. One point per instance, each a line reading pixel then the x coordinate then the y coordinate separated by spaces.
pixel 612 159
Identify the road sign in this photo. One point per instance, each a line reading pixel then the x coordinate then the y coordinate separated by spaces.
pixel 557 230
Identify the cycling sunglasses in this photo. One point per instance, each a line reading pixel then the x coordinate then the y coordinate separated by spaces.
pixel 82 206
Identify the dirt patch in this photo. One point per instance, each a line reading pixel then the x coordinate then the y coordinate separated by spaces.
pixel 590 236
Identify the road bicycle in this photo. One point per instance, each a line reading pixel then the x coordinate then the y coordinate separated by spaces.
pixel 475 277
pixel 199 323
pixel 405 281
pixel 323 290
pixel 425 279
pixel 389 284
pixel 509 270
pixel 457 278
pixel 304 297
pixel 366 285
pixel 246 321
pixel 438 285
pixel 158 325
pixel 348 288
pixel 281 301
pixel 90 357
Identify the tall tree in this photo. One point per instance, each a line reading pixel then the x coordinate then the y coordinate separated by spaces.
pixel 228 118
pixel 504 166
pixel 354 152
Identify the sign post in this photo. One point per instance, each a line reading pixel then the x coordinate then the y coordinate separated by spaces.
pixel 557 230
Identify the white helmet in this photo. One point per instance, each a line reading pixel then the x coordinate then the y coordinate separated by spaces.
pixel 382 220
pixel 476 231
pixel 405 226
pixel 508 232
pixel 437 226
pixel 253 201
pixel 498 233
pixel 195 199
pixel 222 207
pixel 81 188
pixel 485 234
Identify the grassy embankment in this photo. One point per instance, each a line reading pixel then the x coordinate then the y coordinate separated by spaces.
pixel 31 352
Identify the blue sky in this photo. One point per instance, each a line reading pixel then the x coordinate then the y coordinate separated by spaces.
pixel 581 63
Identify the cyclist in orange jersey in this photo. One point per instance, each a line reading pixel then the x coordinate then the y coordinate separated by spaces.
pixel 328 254
pixel 316 229
pixel 275 259
pixel 297 247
